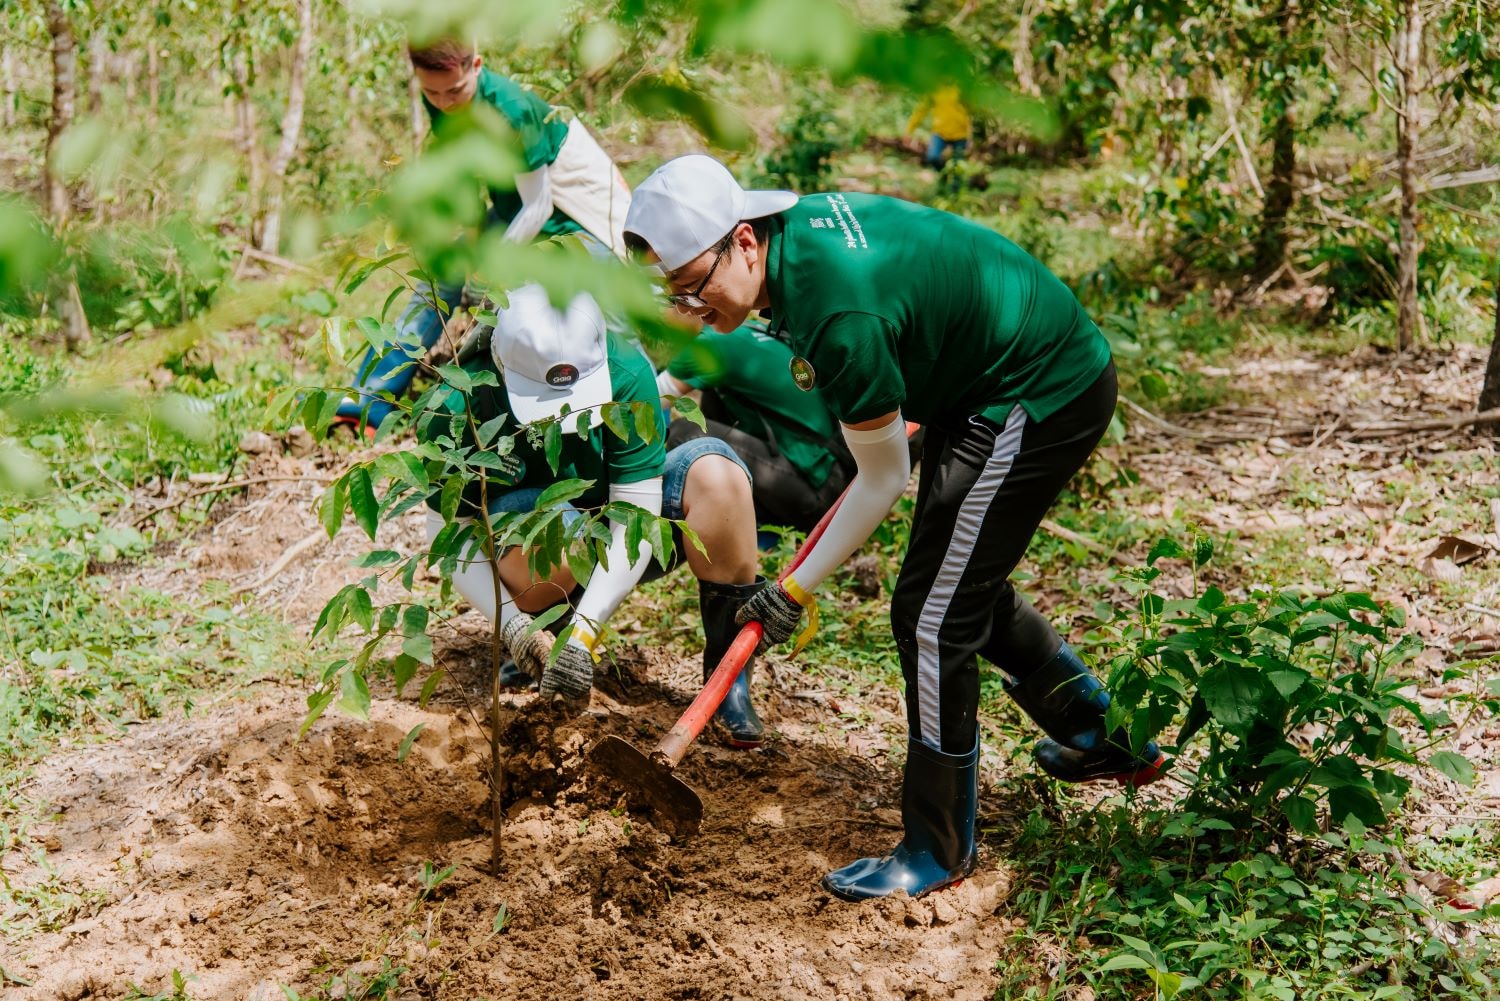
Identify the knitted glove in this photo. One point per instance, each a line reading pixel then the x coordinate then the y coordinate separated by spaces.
pixel 572 674
pixel 529 651
pixel 777 612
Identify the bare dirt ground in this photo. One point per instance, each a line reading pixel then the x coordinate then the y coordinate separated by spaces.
pixel 221 846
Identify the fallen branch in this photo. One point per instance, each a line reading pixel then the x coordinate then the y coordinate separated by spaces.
pixel 219 488
pixel 292 552
pixel 1356 432
pixel 1068 535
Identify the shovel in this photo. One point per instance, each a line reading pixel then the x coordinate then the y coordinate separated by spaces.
pixel 650 778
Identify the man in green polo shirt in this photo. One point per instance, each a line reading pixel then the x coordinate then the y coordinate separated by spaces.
pixel 898 312
pixel 539 359
pixel 568 185
pixel 784 434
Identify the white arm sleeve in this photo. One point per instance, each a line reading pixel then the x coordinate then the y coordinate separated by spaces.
pixel 535 189
pixel 607 588
pixel 473 579
pixel 668 384
pixel 884 467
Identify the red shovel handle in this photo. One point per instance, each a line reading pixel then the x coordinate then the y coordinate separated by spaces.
pixel 675 744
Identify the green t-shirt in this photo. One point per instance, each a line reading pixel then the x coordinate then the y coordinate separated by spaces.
pixel 750 371
pixel 896 305
pixel 540 133
pixel 600 456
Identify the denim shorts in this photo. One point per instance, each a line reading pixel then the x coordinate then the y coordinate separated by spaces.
pixel 679 459
pixel 674 482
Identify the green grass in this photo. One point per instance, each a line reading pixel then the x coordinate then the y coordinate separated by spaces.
pixel 81 654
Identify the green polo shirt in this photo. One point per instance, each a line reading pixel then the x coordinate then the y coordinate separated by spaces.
pixel 900 306
pixel 539 132
pixel 751 373
pixel 600 456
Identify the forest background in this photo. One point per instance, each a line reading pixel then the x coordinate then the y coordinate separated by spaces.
pixel 1283 214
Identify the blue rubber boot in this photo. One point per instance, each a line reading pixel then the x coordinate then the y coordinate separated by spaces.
pixel 392 370
pixel 718 603
pixel 1067 701
pixel 939 802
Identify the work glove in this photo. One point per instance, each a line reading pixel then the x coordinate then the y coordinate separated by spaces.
pixel 777 612
pixel 529 650
pixel 572 674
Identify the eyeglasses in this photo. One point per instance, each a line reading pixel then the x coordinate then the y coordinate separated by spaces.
pixel 694 299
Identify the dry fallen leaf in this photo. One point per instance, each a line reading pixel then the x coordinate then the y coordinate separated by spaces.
pixel 1456 550
pixel 1440 569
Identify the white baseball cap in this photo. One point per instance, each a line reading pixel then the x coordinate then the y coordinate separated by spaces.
pixel 552 356
pixel 691 203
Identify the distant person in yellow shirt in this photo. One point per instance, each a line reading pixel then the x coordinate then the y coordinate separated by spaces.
pixel 950 125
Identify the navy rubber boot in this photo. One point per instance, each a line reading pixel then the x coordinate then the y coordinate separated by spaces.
pixel 392 370
pixel 718 603
pixel 1067 701
pixel 939 803
pixel 511 676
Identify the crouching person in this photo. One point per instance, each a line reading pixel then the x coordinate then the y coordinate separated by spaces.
pixel 546 358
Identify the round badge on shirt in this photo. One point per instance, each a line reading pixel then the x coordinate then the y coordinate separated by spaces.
pixel 803 374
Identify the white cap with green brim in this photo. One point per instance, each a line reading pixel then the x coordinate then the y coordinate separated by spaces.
pixel 550 357
pixel 691 203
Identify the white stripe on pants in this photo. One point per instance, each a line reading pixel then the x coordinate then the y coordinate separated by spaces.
pixel 966 527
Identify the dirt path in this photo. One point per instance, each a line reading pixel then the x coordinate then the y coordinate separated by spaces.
pixel 222 847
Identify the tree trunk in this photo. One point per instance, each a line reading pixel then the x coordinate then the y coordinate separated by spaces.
pixel 418 114
pixel 59 199
pixel 1270 251
pixel 1489 394
pixel 245 126
pixel 64 98
pixel 9 91
pixel 153 85
pixel 268 237
pixel 1021 60
pixel 98 63
pixel 1408 134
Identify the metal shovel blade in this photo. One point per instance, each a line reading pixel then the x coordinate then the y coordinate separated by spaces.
pixel 676 806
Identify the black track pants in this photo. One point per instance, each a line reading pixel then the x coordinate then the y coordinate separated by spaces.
pixel 984 489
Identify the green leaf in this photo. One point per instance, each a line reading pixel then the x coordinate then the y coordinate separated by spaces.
pixel 361 609
pixel 1302 813
pixel 378 558
pixel 402 671
pixel 362 273
pixel 562 492
pixel 362 500
pixel 331 513
pixel 688 407
pixel 1165 549
pixel 490 428
pixel 552 445
pixel 614 419
pixel 414 620
pixel 1125 961
pixel 418 647
pixel 1234 695
pixel 408 741
pixel 1203 550
pixel 646 415
pixel 428 687
pixel 1455 766
pixel 354 695
pixel 316 704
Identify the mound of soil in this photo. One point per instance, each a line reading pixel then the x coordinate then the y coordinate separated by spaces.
pixel 225 848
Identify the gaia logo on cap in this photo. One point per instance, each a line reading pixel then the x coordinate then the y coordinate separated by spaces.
pixel 562 375
pixel 803 374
